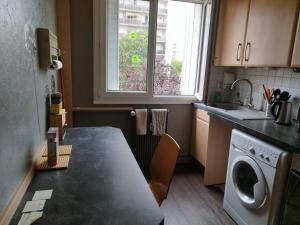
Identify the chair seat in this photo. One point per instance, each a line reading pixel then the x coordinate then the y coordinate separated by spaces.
pixel 159 191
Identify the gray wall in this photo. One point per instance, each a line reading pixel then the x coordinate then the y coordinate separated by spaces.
pixel 180 116
pixel 23 87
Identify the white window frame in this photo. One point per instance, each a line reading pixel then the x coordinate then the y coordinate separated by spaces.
pixel 101 95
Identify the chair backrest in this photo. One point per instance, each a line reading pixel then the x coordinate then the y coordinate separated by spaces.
pixel 163 162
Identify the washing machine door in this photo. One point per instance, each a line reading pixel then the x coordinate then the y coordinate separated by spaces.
pixel 248 182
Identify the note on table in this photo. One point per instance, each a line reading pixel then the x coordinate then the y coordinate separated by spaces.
pixel 42 195
pixel 30 218
pixel 32 206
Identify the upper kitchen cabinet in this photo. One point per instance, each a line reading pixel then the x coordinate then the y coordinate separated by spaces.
pixel 256 33
pixel 296 52
pixel 231 32
pixel 270 33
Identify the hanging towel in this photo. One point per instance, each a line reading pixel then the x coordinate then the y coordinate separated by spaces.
pixel 141 121
pixel 159 121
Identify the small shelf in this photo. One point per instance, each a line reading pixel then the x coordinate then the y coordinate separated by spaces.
pixel 101 109
pixel 64 152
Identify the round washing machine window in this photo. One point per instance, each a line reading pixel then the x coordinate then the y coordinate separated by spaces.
pixel 249 182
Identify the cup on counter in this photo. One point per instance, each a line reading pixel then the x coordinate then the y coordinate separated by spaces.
pixel 268 110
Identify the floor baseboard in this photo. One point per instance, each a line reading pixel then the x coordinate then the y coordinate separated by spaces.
pixel 8 212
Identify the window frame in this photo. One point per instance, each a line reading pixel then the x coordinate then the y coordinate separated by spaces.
pixel 100 42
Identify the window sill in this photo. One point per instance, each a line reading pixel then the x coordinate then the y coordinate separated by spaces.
pixel 166 100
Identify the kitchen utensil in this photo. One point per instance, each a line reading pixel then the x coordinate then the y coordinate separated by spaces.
pixel 284 96
pixel 267 94
pixel 265 97
pixel 276 94
pixel 282 111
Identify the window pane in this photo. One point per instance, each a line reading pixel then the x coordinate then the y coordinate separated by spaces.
pixel 177 47
pixel 132 46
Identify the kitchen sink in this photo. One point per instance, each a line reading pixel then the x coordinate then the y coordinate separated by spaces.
pixel 228 106
pixel 240 112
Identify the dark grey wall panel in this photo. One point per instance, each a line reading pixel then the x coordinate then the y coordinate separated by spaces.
pixel 23 88
pixel 180 117
pixel 82 51
pixel 122 120
pixel 179 123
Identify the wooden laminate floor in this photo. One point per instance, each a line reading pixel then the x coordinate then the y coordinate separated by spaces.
pixel 189 202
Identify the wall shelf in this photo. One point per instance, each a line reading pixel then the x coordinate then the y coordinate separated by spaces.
pixel 101 109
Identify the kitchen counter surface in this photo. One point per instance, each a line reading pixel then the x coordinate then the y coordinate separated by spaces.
pixel 103 184
pixel 284 137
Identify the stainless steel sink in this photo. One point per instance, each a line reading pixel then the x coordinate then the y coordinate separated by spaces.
pixel 228 106
pixel 240 112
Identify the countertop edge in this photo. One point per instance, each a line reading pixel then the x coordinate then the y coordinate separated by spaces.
pixel 238 124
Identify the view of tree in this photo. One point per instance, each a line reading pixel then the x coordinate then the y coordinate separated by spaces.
pixel 176 66
pixel 133 66
pixel 166 81
pixel 133 62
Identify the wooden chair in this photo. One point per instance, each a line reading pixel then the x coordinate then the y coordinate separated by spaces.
pixel 162 167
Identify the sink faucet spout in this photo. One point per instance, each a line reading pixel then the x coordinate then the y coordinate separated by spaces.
pixel 250 105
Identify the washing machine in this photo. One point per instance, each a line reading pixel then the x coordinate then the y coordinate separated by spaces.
pixel 256 177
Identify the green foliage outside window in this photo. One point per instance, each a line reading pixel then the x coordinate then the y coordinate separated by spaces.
pixel 176 66
pixel 133 66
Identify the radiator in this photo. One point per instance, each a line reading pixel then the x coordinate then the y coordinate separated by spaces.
pixel 144 148
pixel 145 145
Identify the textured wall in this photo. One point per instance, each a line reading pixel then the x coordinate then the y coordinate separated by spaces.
pixel 283 78
pixel 23 87
pixel 180 116
pixel 215 79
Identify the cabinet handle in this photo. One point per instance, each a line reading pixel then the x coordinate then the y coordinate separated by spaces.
pixel 238 52
pixel 247 51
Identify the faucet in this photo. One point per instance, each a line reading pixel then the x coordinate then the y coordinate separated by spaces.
pixel 250 105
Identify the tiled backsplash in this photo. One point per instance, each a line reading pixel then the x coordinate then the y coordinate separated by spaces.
pixel 216 77
pixel 283 78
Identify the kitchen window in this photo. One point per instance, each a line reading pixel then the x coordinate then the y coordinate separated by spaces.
pixel 151 51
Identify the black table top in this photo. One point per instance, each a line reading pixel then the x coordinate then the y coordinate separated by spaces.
pixel 285 137
pixel 103 184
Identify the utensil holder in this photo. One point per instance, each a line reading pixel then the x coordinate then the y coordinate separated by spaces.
pixel 268 110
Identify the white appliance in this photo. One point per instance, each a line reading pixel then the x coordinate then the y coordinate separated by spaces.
pixel 256 177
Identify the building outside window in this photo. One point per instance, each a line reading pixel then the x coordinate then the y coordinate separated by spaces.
pixel 154 50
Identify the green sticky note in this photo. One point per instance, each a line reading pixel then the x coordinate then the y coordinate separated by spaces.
pixel 135 58
pixel 133 35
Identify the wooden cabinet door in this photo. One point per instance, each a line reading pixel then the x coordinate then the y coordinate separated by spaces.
pixel 231 32
pixel 270 33
pixel 201 140
pixel 296 52
pixel 218 152
pixel 200 135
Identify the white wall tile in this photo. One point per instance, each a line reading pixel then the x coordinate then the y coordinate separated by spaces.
pixel 284 78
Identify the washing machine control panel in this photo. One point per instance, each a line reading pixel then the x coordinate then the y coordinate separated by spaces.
pixel 256 148
pixel 263 154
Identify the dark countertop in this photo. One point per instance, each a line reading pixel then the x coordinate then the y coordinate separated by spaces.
pixel 103 184
pixel 284 137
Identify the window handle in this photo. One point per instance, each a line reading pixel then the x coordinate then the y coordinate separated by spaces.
pixel 247 51
pixel 238 52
